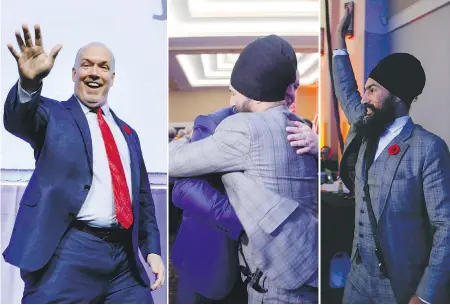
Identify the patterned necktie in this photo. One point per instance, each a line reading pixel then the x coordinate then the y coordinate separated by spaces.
pixel 122 202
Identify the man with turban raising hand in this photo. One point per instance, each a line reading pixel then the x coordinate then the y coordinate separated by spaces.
pixel 400 174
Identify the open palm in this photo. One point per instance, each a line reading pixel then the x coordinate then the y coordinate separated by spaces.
pixel 33 63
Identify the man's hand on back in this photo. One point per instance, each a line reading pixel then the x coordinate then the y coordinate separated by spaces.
pixel 303 138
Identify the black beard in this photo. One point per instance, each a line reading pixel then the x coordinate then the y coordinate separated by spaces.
pixel 244 107
pixel 374 125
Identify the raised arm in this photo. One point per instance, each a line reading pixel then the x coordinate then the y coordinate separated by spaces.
pixel 26 112
pixel 344 77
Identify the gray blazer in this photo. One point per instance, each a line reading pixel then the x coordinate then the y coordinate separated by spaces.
pixel 272 189
pixel 414 202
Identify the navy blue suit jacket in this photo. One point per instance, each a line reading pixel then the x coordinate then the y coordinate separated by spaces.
pixel 60 136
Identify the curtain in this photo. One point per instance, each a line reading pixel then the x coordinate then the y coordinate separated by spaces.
pixel 11 192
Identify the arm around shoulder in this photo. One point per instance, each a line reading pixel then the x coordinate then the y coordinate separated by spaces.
pixel 225 151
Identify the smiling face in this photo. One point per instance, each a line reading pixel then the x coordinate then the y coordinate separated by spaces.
pixel 376 98
pixel 93 75
pixel 380 108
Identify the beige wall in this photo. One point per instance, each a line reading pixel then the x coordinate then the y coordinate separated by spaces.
pixel 307 102
pixel 186 106
pixel 427 38
pixel 397 6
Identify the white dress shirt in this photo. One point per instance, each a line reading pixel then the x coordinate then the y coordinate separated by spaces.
pixel 98 209
pixel 390 133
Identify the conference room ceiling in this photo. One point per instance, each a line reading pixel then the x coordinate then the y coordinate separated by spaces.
pixel 206 37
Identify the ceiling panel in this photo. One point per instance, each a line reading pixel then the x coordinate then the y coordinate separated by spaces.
pixel 206 37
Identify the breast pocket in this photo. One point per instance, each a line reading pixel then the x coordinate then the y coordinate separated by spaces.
pixel 405 192
pixel 403 184
pixel 31 196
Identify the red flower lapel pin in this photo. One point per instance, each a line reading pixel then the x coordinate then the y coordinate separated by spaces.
pixel 394 149
pixel 127 129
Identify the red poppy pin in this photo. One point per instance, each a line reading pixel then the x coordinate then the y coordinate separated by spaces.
pixel 394 149
pixel 127 129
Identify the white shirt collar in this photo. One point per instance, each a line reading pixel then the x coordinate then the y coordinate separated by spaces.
pixel 86 110
pixel 399 123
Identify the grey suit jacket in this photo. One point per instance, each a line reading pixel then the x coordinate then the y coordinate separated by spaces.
pixel 272 189
pixel 414 200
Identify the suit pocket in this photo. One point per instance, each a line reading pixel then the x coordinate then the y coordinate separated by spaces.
pixel 277 215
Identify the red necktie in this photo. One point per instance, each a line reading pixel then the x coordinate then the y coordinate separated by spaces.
pixel 122 202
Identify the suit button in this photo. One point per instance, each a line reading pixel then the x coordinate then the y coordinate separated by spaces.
pixel 362 211
pixel 87 187
pixel 361 235
pixel 360 223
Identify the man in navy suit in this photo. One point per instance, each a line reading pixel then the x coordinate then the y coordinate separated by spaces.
pixel 87 209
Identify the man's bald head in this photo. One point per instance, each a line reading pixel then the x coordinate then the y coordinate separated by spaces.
pixel 93 74
pixel 95 44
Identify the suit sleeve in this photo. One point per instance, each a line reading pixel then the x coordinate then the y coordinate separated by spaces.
pixel 27 120
pixel 149 239
pixel 227 150
pixel 201 199
pixel 346 88
pixel 435 282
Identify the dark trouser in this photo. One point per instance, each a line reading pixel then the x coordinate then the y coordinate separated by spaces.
pixel 186 295
pixel 85 269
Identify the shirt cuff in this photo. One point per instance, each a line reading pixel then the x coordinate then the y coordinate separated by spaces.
pixel 423 300
pixel 25 97
pixel 340 52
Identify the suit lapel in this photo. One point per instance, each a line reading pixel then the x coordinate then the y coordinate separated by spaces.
pixel 393 162
pixel 80 118
pixel 134 156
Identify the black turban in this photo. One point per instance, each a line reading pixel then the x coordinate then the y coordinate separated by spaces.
pixel 401 74
pixel 264 69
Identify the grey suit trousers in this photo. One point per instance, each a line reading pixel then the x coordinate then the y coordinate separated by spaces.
pixel 364 288
pixel 302 295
